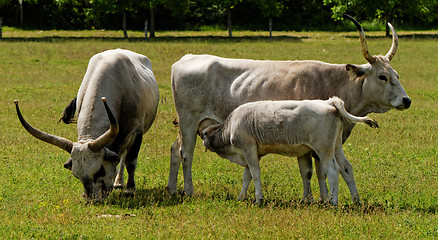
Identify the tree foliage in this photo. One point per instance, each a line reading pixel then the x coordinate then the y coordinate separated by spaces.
pixel 387 11
pixel 192 14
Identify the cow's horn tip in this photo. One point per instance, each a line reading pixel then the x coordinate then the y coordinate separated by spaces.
pixel 16 102
pixel 103 99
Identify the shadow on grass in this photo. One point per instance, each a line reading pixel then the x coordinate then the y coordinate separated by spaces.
pixel 156 39
pixel 159 197
pixel 366 208
pixel 403 36
pixel 145 197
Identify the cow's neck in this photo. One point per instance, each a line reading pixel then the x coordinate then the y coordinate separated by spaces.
pixel 348 89
pixel 356 100
pixel 92 120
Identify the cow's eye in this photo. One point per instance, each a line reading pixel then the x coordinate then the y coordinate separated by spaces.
pixel 383 78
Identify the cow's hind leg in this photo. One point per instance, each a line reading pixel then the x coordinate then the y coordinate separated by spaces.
pixel 305 164
pixel 182 150
pixel 175 161
pixel 131 162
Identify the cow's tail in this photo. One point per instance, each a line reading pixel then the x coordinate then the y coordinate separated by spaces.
pixel 339 105
pixel 69 113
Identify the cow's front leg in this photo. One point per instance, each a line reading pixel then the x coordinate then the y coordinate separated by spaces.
pixel 119 181
pixel 246 180
pixel 305 164
pixel 131 162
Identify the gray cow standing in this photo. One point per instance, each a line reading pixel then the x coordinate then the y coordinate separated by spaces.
pixel 126 80
pixel 206 89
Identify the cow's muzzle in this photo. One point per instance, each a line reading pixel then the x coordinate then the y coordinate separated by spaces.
pixel 406 104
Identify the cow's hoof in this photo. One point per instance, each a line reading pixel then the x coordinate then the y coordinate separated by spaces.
pixel 241 198
pixel 118 185
pixel 308 200
pixel 260 202
pixel 188 192
pixel 129 192
pixel 171 191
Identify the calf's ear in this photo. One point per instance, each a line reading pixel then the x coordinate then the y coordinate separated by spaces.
pixel 356 70
pixel 209 130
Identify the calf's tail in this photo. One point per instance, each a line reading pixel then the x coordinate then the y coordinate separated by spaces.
pixel 339 105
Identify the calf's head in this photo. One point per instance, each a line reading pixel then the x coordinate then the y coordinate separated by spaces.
pixel 381 86
pixel 91 161
pixel 208 137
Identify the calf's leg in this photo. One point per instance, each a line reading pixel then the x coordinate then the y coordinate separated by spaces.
pixel 252 160
pixel 346 171
pixel 323 190
pixel 330 169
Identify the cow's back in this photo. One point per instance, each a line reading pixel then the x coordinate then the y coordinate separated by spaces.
pixel 126 79
pixel 206 86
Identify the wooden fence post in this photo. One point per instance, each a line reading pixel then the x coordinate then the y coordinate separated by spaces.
pixel 1 27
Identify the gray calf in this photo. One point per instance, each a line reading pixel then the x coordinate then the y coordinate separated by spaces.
pixel 291 128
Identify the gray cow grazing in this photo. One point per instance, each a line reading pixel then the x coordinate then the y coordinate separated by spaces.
pixel 127 80
pixel 209 88
pixel 291 128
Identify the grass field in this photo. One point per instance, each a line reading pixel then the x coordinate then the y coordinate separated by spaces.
pixel 396 167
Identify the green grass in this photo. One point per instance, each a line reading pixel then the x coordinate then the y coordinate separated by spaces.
pixel 395 166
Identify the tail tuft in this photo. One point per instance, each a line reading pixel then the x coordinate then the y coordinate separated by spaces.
pixel 371 122
pixel 69 113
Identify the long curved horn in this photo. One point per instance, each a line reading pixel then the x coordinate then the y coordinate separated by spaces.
pixel 363 41
pixel 394 45
pixel 109 135
pixel 63 143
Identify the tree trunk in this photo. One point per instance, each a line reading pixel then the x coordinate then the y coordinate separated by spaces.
pixel 21 12
pixel 152 25
pixel 270 28
pixel 125 33
pixel 388 18
pixel 230 31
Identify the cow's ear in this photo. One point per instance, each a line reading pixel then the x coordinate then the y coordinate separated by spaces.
pixel 111 156
pixel 356 70
pixel 68 164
